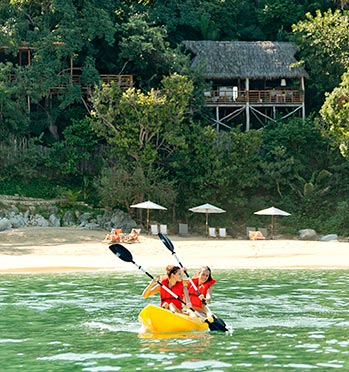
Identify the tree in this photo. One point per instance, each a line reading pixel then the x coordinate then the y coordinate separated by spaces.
pixel 145 51
pixel 335 116
pixel 324 48
pixel 291 151
pixel 142 126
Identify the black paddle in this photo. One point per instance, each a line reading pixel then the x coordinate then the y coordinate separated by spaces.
pixel 125 255
pixel 218 323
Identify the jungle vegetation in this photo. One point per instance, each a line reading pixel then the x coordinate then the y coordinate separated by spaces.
pixel 112 147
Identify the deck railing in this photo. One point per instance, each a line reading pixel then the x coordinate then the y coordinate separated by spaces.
pixel 125 81
pixel 231 96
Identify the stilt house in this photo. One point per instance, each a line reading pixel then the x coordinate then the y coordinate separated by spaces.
pixel 250 82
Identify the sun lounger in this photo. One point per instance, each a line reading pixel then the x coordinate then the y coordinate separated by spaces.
pixel 115 236
pixel 132 237
pixel 212 232
pixel 183 229
pixel 222 232
pixel 163 229
pixel 154 229
pixel 256 235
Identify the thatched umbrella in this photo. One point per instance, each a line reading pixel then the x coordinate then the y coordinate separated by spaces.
pixel 207 208
pixel 272 211
pixel 148 205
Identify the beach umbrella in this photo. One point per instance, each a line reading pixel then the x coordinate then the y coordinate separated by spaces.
pixel 272 211
pixel 148 205
pixel 206 208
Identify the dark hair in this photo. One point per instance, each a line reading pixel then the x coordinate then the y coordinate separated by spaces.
pixel 170 269
pixel 209 270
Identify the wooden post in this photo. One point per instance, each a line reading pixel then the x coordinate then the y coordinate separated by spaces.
pixel 247 105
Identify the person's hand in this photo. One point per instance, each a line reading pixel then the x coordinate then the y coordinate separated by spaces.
pixel 188 305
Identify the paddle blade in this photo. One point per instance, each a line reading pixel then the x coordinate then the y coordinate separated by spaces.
pixel 218 324
pixel 166 241
pixel 121 252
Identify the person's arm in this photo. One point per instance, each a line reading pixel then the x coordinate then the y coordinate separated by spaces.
pixel 209 295
pixel 186 294
pixel 151 289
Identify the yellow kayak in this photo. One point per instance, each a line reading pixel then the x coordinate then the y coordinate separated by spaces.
pixel 155 319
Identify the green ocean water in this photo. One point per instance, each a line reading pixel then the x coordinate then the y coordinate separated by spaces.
pixel 294 320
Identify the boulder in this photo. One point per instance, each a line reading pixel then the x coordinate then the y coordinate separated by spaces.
pixel 5 224
pixel 307 234
pixel 329 237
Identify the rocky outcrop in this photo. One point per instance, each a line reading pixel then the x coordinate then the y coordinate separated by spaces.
pixel 17 212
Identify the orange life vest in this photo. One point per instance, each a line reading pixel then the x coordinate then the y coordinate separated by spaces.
pixel 176 289
pixel 203 288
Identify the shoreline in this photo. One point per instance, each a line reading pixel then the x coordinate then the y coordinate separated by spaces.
pixel 52 250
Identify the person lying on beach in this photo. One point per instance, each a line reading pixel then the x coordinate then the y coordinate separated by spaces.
pixel 174 281
pixel 203 282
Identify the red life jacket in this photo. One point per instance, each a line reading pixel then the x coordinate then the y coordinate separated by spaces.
pixel 176 289
pixel 203 288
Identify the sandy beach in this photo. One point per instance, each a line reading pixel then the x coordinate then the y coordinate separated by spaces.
pixel 72 249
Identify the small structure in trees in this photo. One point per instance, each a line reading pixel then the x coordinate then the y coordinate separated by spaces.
pixel 250 81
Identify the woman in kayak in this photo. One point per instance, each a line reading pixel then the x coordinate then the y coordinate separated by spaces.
pixel 203 282
pixel 173 281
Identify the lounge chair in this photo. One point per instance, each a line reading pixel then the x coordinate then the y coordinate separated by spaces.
pixel 212 232
pixel 154 229
pixel 264 231
pixel 248 230
pixel 183 229
pixel 163 229
pixel 115 236
pixel 132 237
pixel 222 232
pixel 256 235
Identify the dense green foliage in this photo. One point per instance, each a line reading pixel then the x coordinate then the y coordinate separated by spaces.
pixel 114 147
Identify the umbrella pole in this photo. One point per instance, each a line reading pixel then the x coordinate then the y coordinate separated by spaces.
pixel 148 221
pixel 206 224
pixel 272 227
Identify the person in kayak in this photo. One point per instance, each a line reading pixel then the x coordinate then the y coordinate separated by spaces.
pixel 174 281
pixel 203 282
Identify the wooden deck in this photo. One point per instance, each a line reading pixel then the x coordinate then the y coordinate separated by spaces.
pixel 124 81
pixel 239 97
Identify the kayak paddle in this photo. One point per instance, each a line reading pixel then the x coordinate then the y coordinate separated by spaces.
pixel 125 255
pixel 218 322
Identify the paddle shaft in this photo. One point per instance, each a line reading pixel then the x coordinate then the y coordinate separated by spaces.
pixel 190 279
pixel 169 246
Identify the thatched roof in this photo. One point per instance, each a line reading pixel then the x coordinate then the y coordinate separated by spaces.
pixel 245 59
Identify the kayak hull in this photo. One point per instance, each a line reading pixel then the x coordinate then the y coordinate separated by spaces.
pixel 156 319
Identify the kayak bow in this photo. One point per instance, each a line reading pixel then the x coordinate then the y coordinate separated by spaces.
pixel 156 319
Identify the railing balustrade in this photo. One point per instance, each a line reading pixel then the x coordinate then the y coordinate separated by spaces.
pixel 274 96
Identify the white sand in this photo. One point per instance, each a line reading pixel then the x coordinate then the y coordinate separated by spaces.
pixel 73 249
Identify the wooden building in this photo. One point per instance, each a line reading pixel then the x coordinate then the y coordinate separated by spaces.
pixel 250 82
pixel 72 75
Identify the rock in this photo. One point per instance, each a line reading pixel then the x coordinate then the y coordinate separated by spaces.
pixel 54 220
pixel 5 224
pixel 329 237
pixel 91 226
pixel 68 219
pixel 307 234
pixel 17 221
